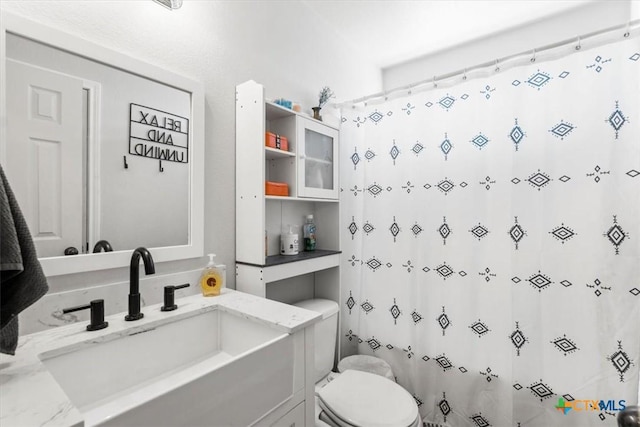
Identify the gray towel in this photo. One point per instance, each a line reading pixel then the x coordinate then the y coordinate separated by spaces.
pixel 22 281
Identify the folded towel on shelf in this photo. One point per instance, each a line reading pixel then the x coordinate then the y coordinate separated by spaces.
pixel 22 281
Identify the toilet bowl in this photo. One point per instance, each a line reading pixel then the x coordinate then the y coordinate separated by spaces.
pixel 364 393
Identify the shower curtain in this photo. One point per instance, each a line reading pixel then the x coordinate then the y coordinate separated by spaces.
pixel 492 240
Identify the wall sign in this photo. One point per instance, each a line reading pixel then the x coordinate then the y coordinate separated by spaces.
pixel 158 135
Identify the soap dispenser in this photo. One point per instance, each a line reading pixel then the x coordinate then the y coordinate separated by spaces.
pixel 212 279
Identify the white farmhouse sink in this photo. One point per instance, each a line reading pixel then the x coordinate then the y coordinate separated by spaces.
pixel 211 368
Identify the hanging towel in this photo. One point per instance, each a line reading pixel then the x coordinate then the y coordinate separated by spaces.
pixel 22 281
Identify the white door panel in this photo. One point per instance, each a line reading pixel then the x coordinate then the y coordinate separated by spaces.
pixel 44 154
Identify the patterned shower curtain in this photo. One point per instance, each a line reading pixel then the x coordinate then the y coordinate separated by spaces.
pixel 492 241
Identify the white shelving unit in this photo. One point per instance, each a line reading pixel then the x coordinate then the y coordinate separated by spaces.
pixel 310 169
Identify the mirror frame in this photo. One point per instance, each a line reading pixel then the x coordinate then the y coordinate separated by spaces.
pixel 55 266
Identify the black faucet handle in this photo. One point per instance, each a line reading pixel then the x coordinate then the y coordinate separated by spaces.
pixel 97 314
pixel 169 297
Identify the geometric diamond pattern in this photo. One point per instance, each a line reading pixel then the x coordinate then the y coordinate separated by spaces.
pixel 565 345
pixel 374 264
pixel 444 362
pixel 479 420
pixel 479 328
pixel 516 134
pixel 620 361
pixel 539 281
pixel 562 233
pixel 480 141
pixel 541 390
pixel 444 407
pixel 374 344
pixel 350 302
pixel 479 231
pixel 394 152
pixel 394 229
pixel 367 306
pixel 355 158
pixel 374 189
pixel 539 79
pixel 562 129
pixel 416 317
pixel 617 120
pixel 443 321
pixel 539 179
pixel 417 148
pixel 376 117
pixel 444 270
pixel 489 376
pixel 446 102
pixel 445 186
pixel 517 233
pixel 446 146
pixel 518 339
pixel 444 231
pixel 616 235
pixel 597 285
pixel 353 228
pixel 395 311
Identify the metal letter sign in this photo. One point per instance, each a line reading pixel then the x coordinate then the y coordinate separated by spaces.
pixel 158 135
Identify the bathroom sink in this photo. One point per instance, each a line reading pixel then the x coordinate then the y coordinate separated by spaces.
pixel 210 367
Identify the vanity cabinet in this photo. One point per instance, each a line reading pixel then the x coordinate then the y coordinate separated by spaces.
pixel 309 167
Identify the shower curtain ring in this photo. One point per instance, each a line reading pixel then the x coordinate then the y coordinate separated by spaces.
pixel 497 66
pixel 533 58
pixel 464 75
pixel 579 45
pixel 626 33
pixel 434 82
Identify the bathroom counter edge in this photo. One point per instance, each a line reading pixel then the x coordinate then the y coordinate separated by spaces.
pixel 29 395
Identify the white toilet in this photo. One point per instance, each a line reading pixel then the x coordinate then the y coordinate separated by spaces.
pixel 354 398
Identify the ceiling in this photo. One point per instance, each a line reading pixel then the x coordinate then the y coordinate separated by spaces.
pixel 388 32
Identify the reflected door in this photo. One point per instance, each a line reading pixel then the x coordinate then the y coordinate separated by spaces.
pixel 45 156
pixel 318 158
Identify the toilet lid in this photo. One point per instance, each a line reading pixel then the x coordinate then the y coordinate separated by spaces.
pixel 364 399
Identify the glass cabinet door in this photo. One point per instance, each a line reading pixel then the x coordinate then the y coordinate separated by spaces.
pixel 318 158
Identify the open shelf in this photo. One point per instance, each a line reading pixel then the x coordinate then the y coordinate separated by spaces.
pixel 300 199
pixel 276 153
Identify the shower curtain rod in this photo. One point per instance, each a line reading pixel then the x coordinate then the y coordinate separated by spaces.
pixel 631 25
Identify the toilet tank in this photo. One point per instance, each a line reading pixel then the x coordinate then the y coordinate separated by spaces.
pixel 326 332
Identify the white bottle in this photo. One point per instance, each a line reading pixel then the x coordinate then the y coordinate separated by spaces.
pixel 289 242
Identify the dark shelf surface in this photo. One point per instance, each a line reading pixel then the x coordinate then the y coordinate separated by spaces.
pixel 285 259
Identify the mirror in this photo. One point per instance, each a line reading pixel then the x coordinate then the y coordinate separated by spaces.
pixel 99 147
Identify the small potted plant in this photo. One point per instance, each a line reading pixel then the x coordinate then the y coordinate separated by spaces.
pixel 323 97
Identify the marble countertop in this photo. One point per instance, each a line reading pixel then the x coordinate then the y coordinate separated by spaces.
pixel 29 395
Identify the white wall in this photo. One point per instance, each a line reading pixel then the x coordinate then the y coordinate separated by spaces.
pixel 590 17
pixel 280 44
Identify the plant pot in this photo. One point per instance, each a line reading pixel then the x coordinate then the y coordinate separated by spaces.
pixel 316 113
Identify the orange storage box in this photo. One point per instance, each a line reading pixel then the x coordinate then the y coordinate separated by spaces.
pixel 276 188
pixel 277 141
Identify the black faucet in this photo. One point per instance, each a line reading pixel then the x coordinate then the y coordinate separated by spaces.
pixel 97 314
pixel 134 287
pixel 102 244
